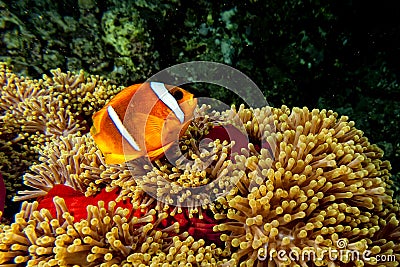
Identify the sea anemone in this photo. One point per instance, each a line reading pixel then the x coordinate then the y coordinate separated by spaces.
pixel 31 109
pixel 326 189
pixel 240 188
pixel 107 236
pixel 15 155
pixel 73 160
pixel 34 112
pixel 83 95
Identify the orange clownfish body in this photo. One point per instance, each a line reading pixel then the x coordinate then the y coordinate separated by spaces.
pixel 142 120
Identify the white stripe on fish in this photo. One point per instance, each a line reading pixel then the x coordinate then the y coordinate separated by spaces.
pixel 121 128
pixel 165 96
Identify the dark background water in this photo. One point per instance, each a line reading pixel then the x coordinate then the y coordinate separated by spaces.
pixel 340 55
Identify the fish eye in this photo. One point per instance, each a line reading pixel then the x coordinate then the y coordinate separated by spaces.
pixel 178 95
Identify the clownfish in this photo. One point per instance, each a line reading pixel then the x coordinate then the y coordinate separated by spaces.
pixel 142 120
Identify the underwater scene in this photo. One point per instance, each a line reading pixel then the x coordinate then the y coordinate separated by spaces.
pixel 199 133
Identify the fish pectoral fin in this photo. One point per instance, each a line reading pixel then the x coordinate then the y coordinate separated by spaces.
pixel 155 154
pixel 153 127
pixel 155 133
